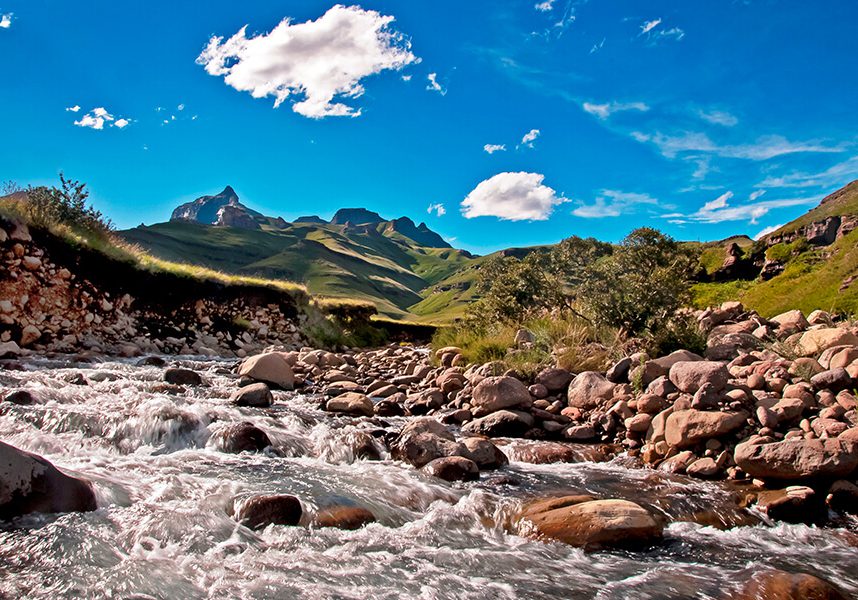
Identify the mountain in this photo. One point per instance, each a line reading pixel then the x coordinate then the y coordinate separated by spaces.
pixel 358 254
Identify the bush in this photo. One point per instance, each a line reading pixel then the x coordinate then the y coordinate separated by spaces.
pixel 65 206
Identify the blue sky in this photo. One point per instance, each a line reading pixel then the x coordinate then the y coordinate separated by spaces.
pixel 526 122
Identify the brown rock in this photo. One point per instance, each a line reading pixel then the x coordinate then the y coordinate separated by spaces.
pixel 351 403
pixel 798 459
pixel 690 376
pixel 499 393
pixel 685 428
pixel 453 468
pixel 272 368
pixel 343 517
pixel 589 390
pixel 259 512
pixel 773 584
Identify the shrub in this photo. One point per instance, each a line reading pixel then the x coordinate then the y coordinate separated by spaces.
pixel 65 206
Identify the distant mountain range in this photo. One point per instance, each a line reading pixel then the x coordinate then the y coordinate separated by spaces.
pixel 409 271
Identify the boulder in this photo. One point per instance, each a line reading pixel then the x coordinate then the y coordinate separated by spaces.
pixel 774 584
pixel 259 512
pixel 689 376
pixel 685 428
pixel 498 393
pixel 343 517
pixel 503 423
pixel 271 368
pixel 730 345
pixel 554 380
pixel 795 459
pixel 29 484
pixel 351 403
pixel 794 504
pixel 835 380
pixel 453 468
pixel 790 322
pixel 241 437
pixel 423 440
pixel 592 524
pixel 589 390
pixel 425 401
pixel 451 380
pixel 816 341
pixel 182 377
pixel 485 453
pixel 255 395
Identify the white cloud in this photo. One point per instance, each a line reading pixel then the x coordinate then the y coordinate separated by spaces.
pixel 512 197
pixel 492 148
pixel 6 20
pixel 603 111
pixel 433 85
pixel 180 107
pixel 763 148
pixel 650 25
pixel 98 117
pixel 317 61
pixel 839 174
pixel 406 78
pixel 674 32
pixel 767 231
pixel 757 194
pixel 718 117
pixel 73 109
pixel 530 137
pixel 438 209
pixel 613 203
pixel 653 31
pixel 597 47
pixel 544 6
pixel 719 210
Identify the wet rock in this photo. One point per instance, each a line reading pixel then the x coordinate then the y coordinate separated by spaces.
pixel 259 512
pixel 29 483
pixel 773 584
pixel 151 361
pixel 485 453
pixel 241 437
pixel 22 398
pixel 703 468
pixel 272 368
pixel 177 376
pixel 351 403
pixel 503 423
pixel 794 504
pixel 685 428
pixel 690 376
pixel 554 380
pixel 363 446
pixel 423 440
pixel 843 497
pixel 542 452
pixel 798 458
pixel 256 395
pixel 589 390
pixel 343 517
pixel 498 393
pixel 389 408
pixel 593 524
pixel 453 468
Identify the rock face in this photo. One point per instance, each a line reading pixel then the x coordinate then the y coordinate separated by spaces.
pixel 593 524
pixel 497 393
pixel 774 584
pixel 259 512
pixel 798 459
pixel 29 483
pixel 271 368
pixel 222 209
pixel 685 428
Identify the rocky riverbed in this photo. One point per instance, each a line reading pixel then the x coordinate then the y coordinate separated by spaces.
pixel 392 473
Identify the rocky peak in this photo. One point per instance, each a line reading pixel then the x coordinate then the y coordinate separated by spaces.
pixel 356 216
pixel 419 233
pixel 223 209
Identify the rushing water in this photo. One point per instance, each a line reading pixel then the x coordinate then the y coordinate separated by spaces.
pixel 163 528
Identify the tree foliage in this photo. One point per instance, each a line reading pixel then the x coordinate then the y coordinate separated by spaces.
pixel 66 205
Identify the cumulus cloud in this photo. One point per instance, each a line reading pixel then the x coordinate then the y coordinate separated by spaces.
pixel 718 117
pixel 613 203
pixel 434 86
pixel 719 210
pixel 319 62
pixel 512 197
pixel 6 20
pixel 492 148
pixel 438 209
pixel 763 148
pixel 530 137
pixel 73 109
pixel 98 117
pixel 603 111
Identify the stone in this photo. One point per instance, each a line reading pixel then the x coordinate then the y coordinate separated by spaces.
pixel 835 380
pixel 796 459
pixel 503 423
pixel 685 428
pixel 451 380
pixel 815 341
pixel 554 380
pixel 425 401
pixel 651 404
pixel 619 371
pixel 30 335
pixel 589 390
pixel 423 440
pixel 9 349
pixel 580 433
pixel 453 468
pixel 351 403
pixel 790 322
pixel 31 484
pixel 177 376
pixel 241 437
pixel 21 398
pixel 256 395
pixel 498 393
pixel 729 346
pixel 272 368
pixel 794 504
pixel 343 517
pixel 485 453
pixel 705 397
pixel 843 497
pixel 703 468
pixel 31 263
pixel 689 376
pixel 774 584
pixel 259 512
pixel 592 524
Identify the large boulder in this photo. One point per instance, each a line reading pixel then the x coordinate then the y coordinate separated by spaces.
pixel 503 423
pixel 774 584
pixel 256 395
pixel 29 483
pixel 686 428
pixel 498 393
pixel 485 453
pixel 178 376
pixel 592 524
pixel 790 322
pixel 425 401
pixel 343 517
pixel 798 458
pixel 589 390
pixel 728 346
pixel 690 376
pixel 816 341
pixel 271 368
pixel 554 380
pixel 259 512
pixel 424 440
pixel 453 468
pixel 351 403
pixel 241 437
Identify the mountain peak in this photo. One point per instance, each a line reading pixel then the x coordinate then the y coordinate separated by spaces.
pixel 220 209
pixel 356 216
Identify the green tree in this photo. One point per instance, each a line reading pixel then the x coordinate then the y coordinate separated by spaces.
pixel 66 205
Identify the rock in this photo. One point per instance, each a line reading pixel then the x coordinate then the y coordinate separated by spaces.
pixel 255 395
pixel 795 504
pixel 707 396
pixel 30 335
pixel 685 428
pixel 21 398
pixel 843 497
pixel 580 433
pixel 835 380
pixel 798 458
pixel 773 584
pixel 351 403
pixel 182 377
pixel 589 390
pixel 151 361
pixel 423 440
pixel 816 341
pixel 503 423
pixel 259 512
pixel 485 453
pixel 241 437
pixel 593 524
pixel 31 263
pixel 389 408
pixel 542 453
pixel 9 349
pixel 689 376
pixel 425 401
pixel 729 346
pixel 651 404
pixel 271 368
pixel 619 371
pixel 703 468
pixel 497 393
pixel 451 380
pixel 29 483
pixel 554 380
pixel 343 517
pixel 453 468
pixel 790 322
